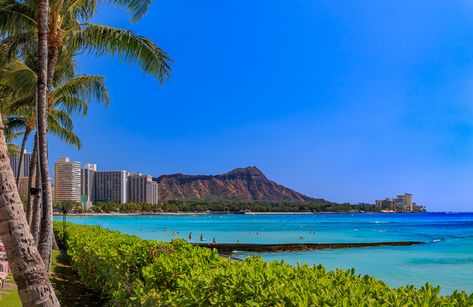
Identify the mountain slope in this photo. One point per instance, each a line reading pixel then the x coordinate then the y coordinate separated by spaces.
pixel 242 184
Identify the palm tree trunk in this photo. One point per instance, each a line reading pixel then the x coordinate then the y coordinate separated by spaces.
pixel 32 166
pixel 54 38
pixel 22 154
pixel 36 209
pixel 46 229
pixel 25 261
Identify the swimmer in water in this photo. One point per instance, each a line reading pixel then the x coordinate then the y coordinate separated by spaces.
pixel 201 237
pixel 213 241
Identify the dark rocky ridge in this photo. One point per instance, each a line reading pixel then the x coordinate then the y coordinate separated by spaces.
pixel 240 184
pixel 229 248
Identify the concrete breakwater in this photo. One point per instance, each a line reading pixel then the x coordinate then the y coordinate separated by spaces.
pixel 229 248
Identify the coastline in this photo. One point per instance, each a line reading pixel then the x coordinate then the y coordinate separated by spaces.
pixel 217 212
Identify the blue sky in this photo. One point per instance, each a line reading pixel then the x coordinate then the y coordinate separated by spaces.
pixel 344 100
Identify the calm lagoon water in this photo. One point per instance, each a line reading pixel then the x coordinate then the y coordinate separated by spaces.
pixel 446 259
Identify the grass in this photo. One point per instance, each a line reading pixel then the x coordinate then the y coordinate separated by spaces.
pixel 65 281
pixel 11 297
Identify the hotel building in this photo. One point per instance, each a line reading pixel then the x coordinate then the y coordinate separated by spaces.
pixel 87 187
pixel 25 166
pixel 67 180
pixel 111 186
pixel 142 189
pixel 401 202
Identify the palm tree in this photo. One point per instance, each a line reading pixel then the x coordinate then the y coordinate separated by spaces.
pixel 29 271
pixel 45 240
pixel 23 25
pixel 69 96
pixel 70 30
pixel 30 274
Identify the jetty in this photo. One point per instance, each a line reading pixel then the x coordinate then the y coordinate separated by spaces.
pixel 229 248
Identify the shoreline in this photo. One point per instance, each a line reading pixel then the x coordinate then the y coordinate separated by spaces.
pixel 222 212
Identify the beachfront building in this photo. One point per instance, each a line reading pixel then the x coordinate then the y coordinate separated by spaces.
pixel 67 180
pixel 404 201
pixel 142 189
pixel 111 186
pixel 401 203
pixel 88 185
pixel 25 166
pixel 152 192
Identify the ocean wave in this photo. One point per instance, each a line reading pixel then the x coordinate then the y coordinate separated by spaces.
pixel 427 261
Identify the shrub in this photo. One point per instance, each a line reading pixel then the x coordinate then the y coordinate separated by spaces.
pixel 134 272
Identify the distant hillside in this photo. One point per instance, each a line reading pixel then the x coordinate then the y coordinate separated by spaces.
pixel 242 184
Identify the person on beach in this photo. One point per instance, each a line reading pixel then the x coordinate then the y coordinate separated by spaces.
pixel 201 237
pixel 214 241
pixel 190 236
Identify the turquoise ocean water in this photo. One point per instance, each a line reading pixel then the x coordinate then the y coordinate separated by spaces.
pixel 446 258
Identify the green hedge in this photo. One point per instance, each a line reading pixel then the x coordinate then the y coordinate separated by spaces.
pixel 134 272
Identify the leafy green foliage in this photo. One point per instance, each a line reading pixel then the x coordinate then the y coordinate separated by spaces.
pixel 234 207
pixel 68 206
pixel 134 272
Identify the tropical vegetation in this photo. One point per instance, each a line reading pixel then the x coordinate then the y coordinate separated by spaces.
pixel 218 206
pixel 130 271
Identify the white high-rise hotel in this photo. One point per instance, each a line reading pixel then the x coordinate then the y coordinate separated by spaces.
pixel 67 180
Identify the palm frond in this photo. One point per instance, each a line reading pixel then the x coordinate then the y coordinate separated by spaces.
pixel 15 17
pixel 82 87
pixel 18 76
pixel 13 126
pixel 82 9
pixel 18 44
pixel 23 106
pixel 137 8
pixel 13 148
pixel 15 122
pixel 61 118
pixel 72 105
pixel 126 45
pixel 65 67
pixel 64 134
